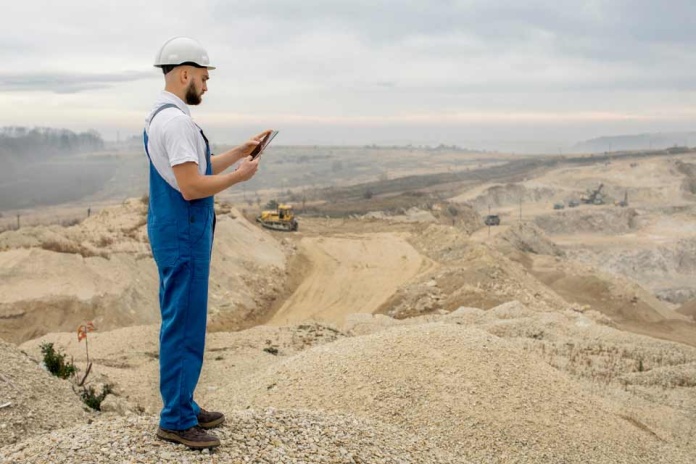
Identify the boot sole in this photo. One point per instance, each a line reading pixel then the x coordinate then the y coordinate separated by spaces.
pixel 212 424
pixel 174 438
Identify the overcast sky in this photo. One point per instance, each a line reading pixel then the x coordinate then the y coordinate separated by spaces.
pixel 479 73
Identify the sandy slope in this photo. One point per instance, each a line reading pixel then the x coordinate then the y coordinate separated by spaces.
pixel 688 309
pixel 53 278
pixel 349 274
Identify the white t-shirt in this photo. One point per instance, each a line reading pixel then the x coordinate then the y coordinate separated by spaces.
pixel 173 138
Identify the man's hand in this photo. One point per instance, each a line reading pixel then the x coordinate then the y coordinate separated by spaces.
pixel 247 147
pixel 230 157
pixel 193 185
pixel 247 168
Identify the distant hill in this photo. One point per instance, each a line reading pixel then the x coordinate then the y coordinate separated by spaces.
pixel 648 141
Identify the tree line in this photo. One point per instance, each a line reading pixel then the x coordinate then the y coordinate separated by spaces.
pixel 42 142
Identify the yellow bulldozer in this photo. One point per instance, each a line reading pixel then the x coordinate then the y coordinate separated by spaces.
pixel 282 218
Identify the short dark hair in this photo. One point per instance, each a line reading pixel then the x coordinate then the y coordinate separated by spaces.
pixel 166 69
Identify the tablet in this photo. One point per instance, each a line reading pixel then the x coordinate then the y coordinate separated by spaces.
pixel 263 144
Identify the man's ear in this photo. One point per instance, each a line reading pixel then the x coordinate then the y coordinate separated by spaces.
pixel 184 75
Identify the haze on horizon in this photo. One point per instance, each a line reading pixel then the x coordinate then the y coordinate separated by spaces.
pixel 538 76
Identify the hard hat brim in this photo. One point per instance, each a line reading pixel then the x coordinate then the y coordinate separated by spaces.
pixel 180 64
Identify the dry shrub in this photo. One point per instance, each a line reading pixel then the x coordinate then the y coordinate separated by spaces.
pixel 71 248
pixel 60 247
pixel 70 222
pixel 104 241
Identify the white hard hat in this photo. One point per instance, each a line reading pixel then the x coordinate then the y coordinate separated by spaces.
pixel 179 50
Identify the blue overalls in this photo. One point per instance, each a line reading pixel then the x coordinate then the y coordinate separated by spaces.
pixel 181 237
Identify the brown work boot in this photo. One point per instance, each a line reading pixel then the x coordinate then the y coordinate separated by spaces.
pixel 194 437
pixel 210 419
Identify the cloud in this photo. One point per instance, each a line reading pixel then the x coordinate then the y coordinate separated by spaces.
pixel 534 46
pixel 64 82
pixel 501 21
pixel 358 60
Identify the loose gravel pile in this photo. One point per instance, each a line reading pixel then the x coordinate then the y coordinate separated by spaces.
pixel 507 385
pixel 268 436
pixel 31 400
pixel 469 392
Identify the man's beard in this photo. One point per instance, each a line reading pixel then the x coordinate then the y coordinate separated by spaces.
pixel 192 97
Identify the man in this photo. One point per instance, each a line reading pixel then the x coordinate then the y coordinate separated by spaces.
pixel 184 176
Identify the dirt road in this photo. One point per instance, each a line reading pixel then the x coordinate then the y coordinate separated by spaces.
pixel 350 274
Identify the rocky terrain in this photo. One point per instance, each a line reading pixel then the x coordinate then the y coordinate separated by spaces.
pixel 511 384
pixel 33 401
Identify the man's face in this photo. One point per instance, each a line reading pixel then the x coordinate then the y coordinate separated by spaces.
pixel 197 85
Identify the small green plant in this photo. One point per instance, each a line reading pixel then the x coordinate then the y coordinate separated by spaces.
pixel 92 399
pixel 55 362
pixel 271 350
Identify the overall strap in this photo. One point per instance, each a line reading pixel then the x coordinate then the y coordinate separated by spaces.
pixel 157 111
pixel 163 107
pixel 208 152
pixel 205 139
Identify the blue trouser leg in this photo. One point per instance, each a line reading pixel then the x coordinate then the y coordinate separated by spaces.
pixel 183 301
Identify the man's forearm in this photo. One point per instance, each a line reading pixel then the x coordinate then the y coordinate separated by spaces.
pixel 225 160
pixel 206 186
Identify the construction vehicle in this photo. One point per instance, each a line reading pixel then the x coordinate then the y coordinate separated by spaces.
pixel 492 220
pixel 593 197
pixel 676 150
pixel 623 203
pixel 573 203
pixel 282 218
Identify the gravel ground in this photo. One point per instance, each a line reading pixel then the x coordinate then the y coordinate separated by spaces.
pixel 268 436
pixel 507 385
pixel 470 392
pixel 33 400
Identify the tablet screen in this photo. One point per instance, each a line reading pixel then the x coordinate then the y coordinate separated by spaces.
pixel 264 143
